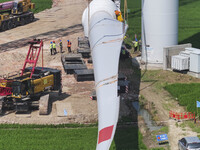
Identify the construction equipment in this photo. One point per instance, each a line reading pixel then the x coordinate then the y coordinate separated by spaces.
pixel 15 13
pixel 31 87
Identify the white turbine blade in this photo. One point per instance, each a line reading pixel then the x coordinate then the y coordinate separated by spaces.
pixel 105 37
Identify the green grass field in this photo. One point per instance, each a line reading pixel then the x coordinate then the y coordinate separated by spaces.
pixel 186 94
pixel 189 22
pixel 40 5
pixel 61 137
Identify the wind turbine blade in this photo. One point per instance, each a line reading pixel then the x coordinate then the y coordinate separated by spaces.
pixel 105 37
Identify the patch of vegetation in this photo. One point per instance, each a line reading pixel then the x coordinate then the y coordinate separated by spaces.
pixel 186 94
pixel 35 126
pixel 163 130
pixel 133 139
pixel 133 19
pixel 193 126
pixel 48 138
pixel 126 119
pixel 142 101
pixel 41 5
pixel 160 148
pixel 189 24
pixel 176 124
pixel 167 106
pixel 62 137
pixel 183 124
pixel 141 144
pixel 1 1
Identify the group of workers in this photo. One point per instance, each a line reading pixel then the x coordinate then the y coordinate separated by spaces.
pixel 53 47
pixel 119 18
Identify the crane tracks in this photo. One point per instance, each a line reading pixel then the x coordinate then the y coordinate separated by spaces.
pixel 44 36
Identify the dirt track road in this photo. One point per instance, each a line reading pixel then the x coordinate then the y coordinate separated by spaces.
pixel 62 20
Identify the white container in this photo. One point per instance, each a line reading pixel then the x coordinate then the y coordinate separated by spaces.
pixel 185 53
pixel 180 63
pixel 159 28
pixel 195 61
pixel 191 49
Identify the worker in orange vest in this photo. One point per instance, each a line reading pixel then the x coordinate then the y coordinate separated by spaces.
pixel 69 44
pixel 119 15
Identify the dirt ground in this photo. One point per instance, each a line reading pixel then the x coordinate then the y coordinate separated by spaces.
pixel 61 22
pixel 163 103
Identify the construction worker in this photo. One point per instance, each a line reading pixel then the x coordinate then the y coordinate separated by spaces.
pixel 61 46
pixel 119 15
pixel 51 47
pixel 69 44
pixel 54 47
pixel 136 44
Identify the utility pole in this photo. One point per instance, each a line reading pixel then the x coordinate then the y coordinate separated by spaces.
pixel 125 8
pixel 88 17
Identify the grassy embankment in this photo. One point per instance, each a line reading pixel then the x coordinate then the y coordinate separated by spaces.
pixel 189 24
pixel 63 137
pixel 186 94
pixel 40 5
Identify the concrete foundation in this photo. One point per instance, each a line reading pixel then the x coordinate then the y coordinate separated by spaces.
pixel 137 62
pixel 194 74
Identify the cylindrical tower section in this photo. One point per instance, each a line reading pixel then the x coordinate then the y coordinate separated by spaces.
pixel 159 28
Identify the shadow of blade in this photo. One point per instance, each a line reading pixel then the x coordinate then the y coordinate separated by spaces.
pixel 126 138
pixel 194 39
pixel 152 83
pixel 186 2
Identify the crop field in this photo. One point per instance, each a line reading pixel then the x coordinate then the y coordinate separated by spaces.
pixel 63 137
pixel 40 5
pixel 186 94
pixel 189 24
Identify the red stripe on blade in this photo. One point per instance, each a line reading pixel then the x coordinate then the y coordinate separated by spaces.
pixel 105 134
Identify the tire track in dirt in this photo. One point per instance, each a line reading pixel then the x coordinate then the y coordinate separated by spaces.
pixel 45 36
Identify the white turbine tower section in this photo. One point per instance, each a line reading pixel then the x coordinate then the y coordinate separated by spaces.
pixel 159 28
pixel 105 37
